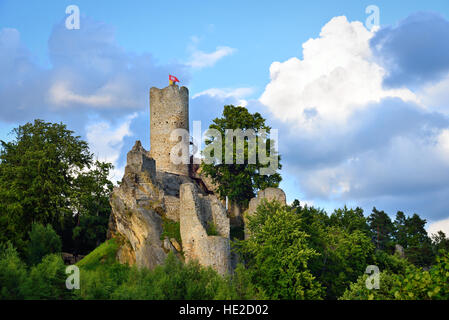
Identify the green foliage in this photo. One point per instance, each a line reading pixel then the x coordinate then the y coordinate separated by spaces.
pixel 43 241
pixel 211 229
pixel 440 242
pixel 391 263
pixel 48 176
pixel 104 254
pixel 277 254
pixel 239 182
pixel 46 281
pixel 345 256
pixel 414 284
pixel 104 278
pixel 382 230
pixel 171 229
pixel 13 273
pixel 412 236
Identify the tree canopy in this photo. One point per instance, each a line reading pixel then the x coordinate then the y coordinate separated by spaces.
pixel 49 176
pixel 240 181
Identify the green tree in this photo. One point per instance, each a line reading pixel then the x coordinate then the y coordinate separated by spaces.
pixel 382 230
pixel 412 284
pixel 46 280
pixel 239 182
pixel 45 177
pixel 440 242
pixel 411 234
pixel 277 254
pixel 13 273
pixel 43 241
pixel 349 220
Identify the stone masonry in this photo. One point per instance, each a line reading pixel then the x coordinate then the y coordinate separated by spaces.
pixel 169 110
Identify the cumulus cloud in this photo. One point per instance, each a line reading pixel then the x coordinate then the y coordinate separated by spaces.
pixel 441 225
pixel 89 73
pixel 346 138
pixel 200 59
pixel 106 142
pixel 235 95
pixel 415 51
pixel 335 78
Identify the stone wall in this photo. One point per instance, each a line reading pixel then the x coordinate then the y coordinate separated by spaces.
pixel 197 212
pixel 146 198
pixel 169 110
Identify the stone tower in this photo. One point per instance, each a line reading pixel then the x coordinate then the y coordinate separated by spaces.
pixel 169 110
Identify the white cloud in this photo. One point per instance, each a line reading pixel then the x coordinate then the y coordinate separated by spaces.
pixel 440 225
pixel 200 59
pixel 106 142
pixel 435 96
pixel 225 93
pixel 345 137
pixel 335 78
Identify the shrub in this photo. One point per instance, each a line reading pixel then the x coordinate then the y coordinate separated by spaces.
pixel 47 279
pixel 13 273
pixel 43 241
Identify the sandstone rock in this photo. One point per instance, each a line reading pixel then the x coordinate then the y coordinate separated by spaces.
pixel 176 244
pixel 136 206
pixel 146 197
pixel 196 212
pixel 399 250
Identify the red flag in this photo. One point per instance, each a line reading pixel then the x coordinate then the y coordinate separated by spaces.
pixel 172 78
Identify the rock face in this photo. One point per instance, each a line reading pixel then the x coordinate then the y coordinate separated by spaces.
pixel 268 194
pixel 136 205
pixel 146 198
pixel 199 214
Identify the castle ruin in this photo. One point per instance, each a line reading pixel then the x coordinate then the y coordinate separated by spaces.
pixel 157 195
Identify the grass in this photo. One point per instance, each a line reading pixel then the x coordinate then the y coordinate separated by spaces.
pixel 171 229
pixel 103 254
pixel 211 229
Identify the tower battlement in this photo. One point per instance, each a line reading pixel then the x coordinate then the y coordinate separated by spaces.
pixel 169 110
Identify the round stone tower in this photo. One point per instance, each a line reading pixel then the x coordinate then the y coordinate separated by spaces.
pixel 169 110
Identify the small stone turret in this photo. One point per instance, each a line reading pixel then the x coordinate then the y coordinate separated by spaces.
pixel 169 110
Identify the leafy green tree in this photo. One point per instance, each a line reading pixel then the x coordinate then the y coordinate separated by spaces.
pixel 440 242
pixel 43 241
pixel 413 284
pixel 13 273
pixel 349 220
pixel 45 178
pixel 239 182
pixel 277 254
pixel 344 258
pixel 46 280
pixel 411 234
pixel 382 230
pixel 91 200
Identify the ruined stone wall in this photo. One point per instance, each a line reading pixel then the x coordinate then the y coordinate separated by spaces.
pixel 169 110
pixel 197 211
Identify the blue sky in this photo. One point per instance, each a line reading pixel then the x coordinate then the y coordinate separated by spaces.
pixel 363 115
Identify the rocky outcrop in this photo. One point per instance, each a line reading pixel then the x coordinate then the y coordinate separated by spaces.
pixel 269 194
pixel 199 216
pixel 147 199
pixel 137 205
